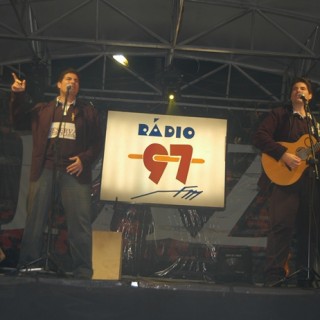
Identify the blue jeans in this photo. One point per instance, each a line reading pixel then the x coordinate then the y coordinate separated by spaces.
pixel 76 202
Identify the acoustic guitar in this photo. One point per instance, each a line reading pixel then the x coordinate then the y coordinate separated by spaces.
pixel 281 174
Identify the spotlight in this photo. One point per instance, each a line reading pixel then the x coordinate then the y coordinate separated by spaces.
pixel 171 96
pixel 171 82
pixel 121 59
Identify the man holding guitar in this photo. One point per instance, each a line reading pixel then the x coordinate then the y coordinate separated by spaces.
pixel 283 138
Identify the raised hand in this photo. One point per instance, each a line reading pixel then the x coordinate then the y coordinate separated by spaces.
pixel 18 85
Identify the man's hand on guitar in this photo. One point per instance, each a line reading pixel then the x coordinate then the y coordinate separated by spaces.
pixel 291 160
pixel 292 164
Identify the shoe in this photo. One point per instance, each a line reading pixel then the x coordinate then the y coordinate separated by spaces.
pixel 304 284
pixel 82 273
pixel 305 279
pixel 82 277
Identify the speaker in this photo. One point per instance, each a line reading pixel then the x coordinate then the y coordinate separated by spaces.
pixel 106 255
pixel 234 264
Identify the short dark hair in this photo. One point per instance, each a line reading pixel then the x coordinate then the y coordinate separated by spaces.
pixel 306 81
pixel 69 70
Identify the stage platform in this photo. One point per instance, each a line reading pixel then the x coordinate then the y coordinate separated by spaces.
pixel 41 296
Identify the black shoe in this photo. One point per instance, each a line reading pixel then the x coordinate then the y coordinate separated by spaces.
pixel 304 284
pixel 305 279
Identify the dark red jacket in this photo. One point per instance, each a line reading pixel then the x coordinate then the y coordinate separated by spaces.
pixel 88 139
pixel 279 125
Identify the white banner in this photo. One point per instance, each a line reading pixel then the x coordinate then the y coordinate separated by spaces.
pixel 166 160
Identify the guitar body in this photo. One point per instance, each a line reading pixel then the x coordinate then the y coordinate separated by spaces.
pixel 278 172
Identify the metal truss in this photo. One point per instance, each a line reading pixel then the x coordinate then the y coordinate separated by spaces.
pixel 233 47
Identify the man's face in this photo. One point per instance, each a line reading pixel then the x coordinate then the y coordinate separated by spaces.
pixel 69 79
pixel 300 88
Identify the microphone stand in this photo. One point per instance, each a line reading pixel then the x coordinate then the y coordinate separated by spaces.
pixel 311 274
pixel 48 258
pixel 54 194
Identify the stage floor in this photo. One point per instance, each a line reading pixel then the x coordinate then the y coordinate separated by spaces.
pixel 43 296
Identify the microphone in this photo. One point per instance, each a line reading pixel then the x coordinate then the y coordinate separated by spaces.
pixel 302 97
pixel 69 86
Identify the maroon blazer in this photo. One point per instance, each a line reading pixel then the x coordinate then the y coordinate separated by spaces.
pixel 279 125
pixel 39 118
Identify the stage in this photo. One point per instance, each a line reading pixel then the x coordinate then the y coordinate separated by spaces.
pixel 42 296
pixel 181 252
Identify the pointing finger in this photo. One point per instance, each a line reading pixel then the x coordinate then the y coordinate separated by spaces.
pixel 15 78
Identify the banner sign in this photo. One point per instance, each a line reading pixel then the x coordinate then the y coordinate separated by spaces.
pixel 164 160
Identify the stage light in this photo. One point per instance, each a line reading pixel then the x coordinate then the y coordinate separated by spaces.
pixel 171 82
pixel 121 59
pixel 171 96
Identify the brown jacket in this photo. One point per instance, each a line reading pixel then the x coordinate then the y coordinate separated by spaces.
pixel 39 118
